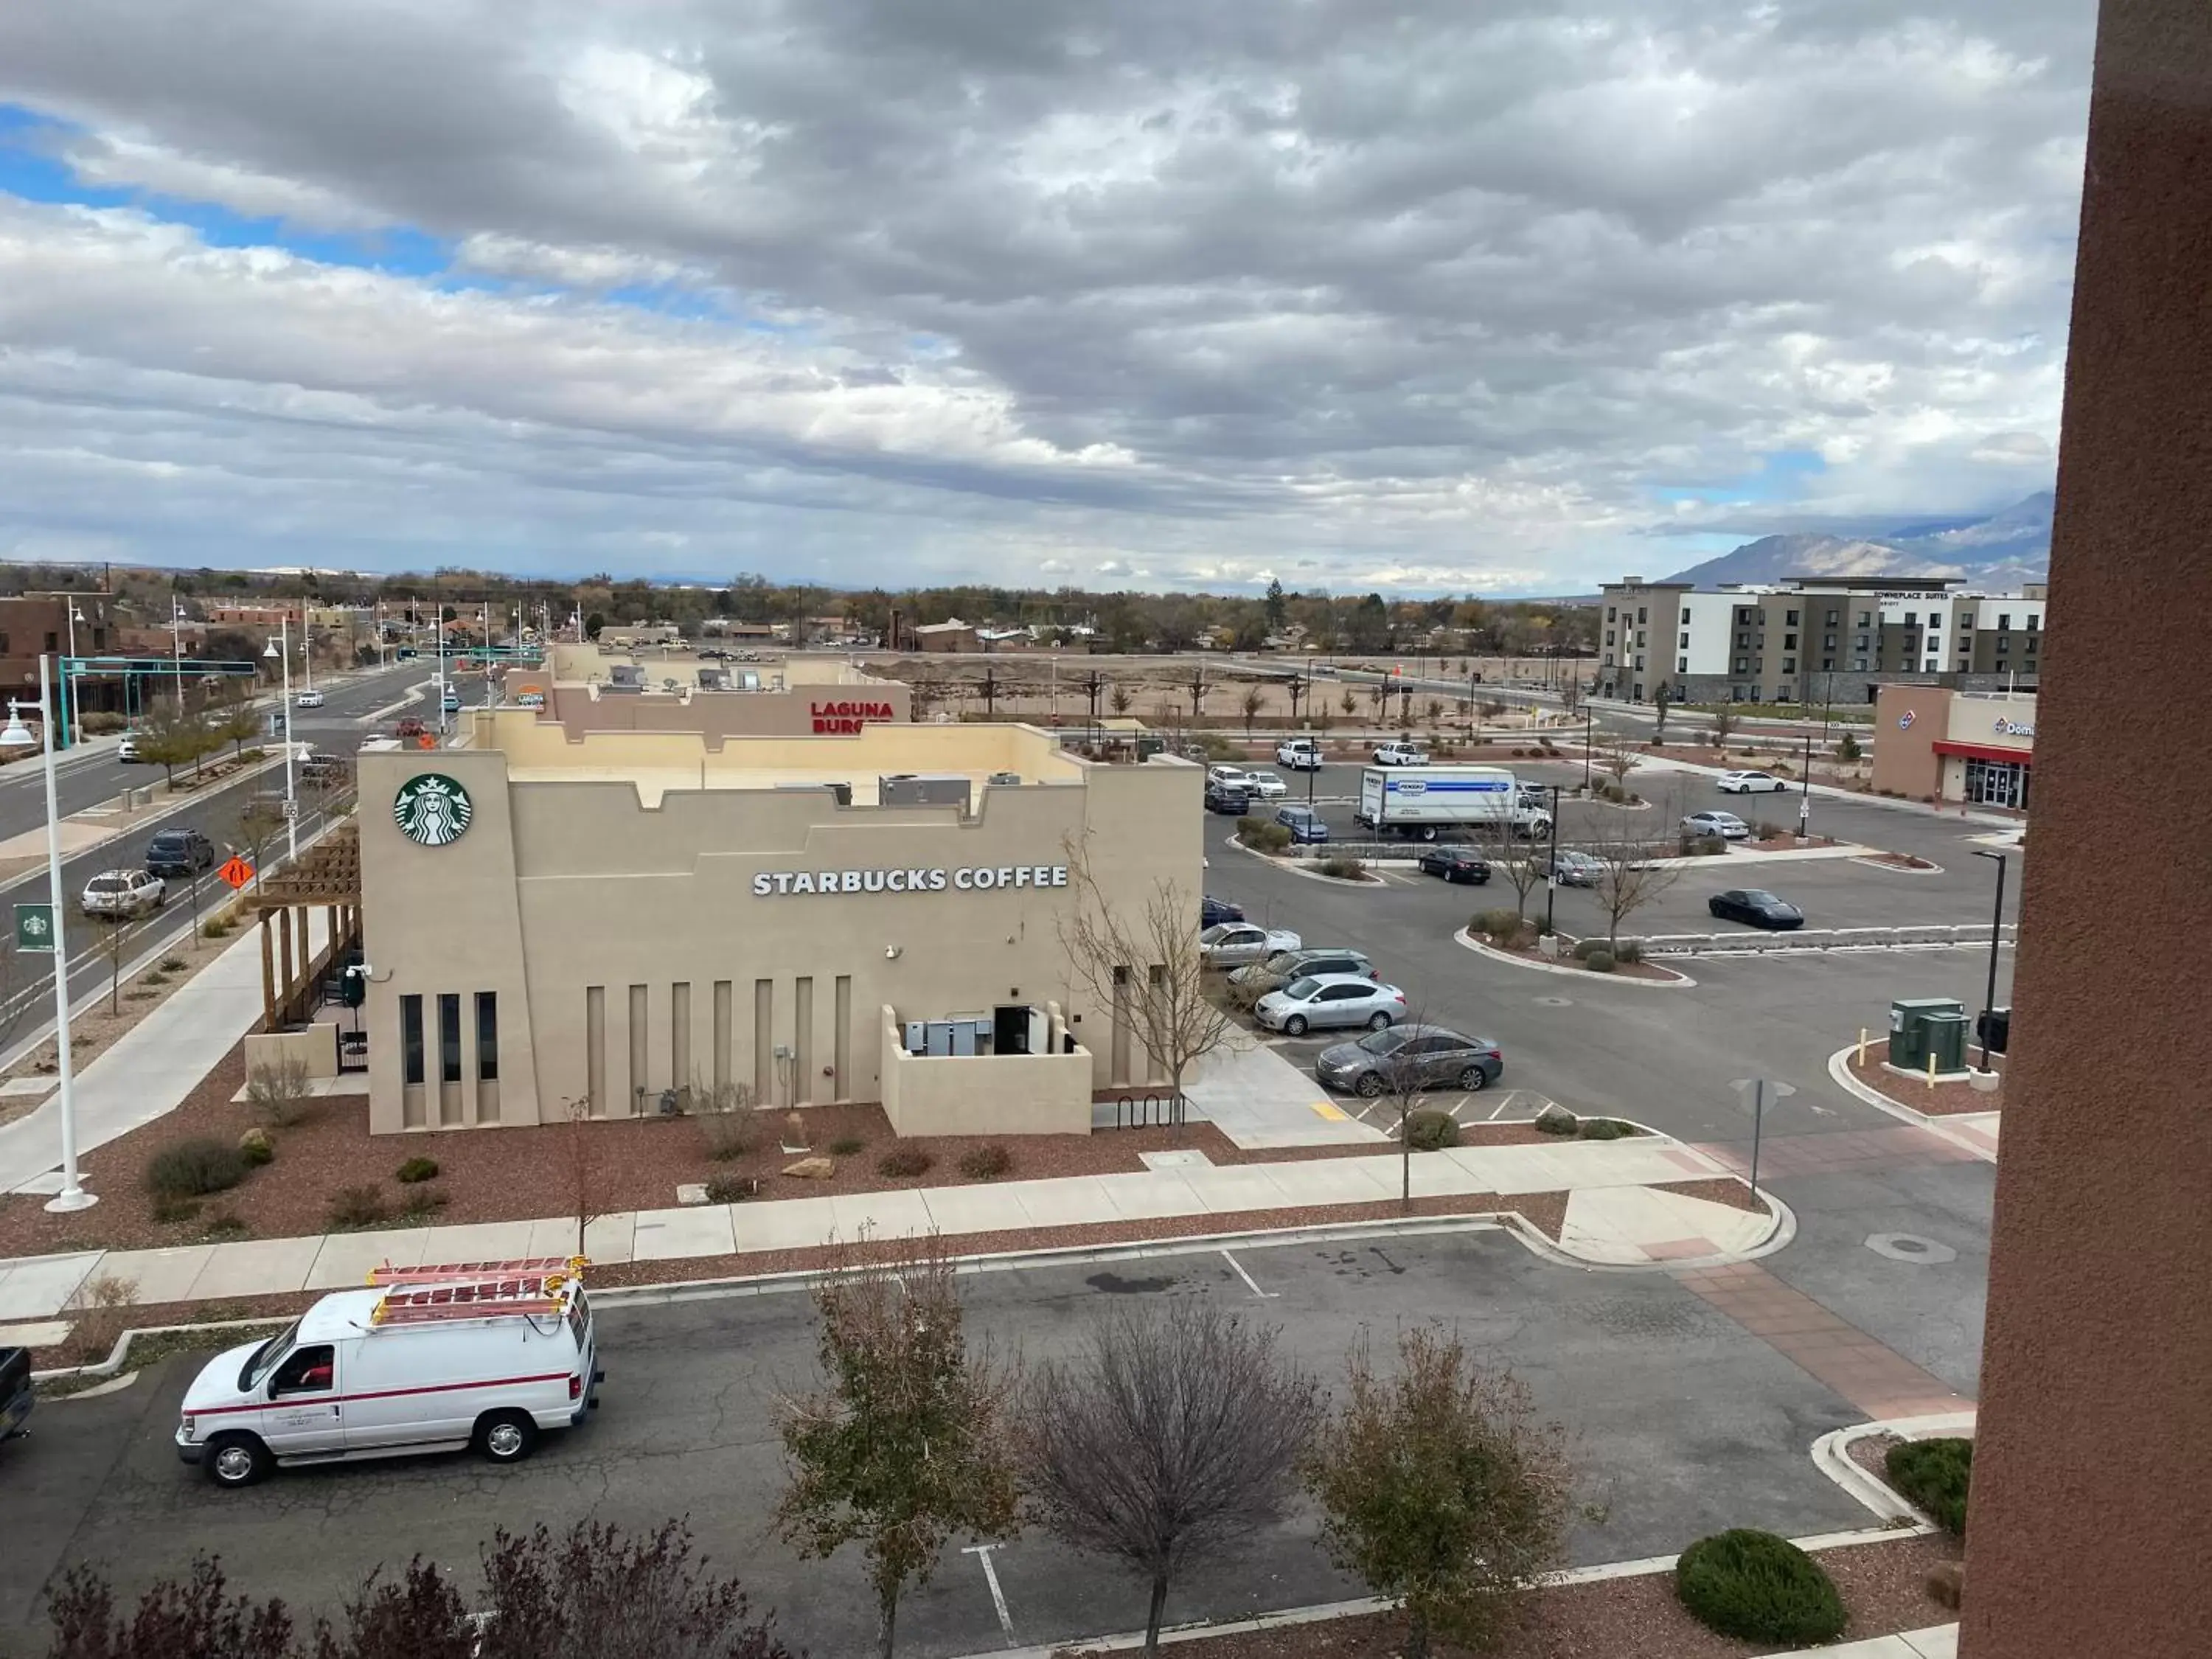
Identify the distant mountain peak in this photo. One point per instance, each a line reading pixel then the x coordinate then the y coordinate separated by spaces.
pixel 2001 550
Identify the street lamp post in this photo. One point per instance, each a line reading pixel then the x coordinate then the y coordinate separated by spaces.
pixel 1805 793
pixel 281 649
pixel 1552 863
pixel 1996 925
pixel 72 1195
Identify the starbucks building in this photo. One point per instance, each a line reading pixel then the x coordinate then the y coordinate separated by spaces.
pixel 624 920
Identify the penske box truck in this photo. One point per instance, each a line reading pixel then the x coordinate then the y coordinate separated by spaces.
pixel 1428 801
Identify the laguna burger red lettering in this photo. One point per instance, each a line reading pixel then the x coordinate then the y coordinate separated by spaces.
pixel 844 717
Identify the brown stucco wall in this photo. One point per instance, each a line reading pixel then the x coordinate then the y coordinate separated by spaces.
pixel 1904 757
pixel 2091 1529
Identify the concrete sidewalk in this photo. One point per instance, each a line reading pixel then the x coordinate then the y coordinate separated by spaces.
pixel 1615 1216
pixel 151 1067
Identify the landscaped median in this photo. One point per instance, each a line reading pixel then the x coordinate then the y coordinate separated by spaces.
pixel 1507 936
pixel 1951 1095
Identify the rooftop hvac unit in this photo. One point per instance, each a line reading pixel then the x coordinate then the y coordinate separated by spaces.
pixel 1006 777
pixel 922 789
pixel 625 677
pixel 713 679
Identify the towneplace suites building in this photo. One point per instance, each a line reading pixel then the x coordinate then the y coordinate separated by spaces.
pixel 576 911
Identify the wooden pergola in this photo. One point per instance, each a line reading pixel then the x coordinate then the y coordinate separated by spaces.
pixel 326 876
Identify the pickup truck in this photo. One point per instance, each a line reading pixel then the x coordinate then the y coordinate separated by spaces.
pixel 15 1391
pixel 1299 754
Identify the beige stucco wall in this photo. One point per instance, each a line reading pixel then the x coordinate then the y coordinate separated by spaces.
pixel 791 712
pixel 985 1094
pixel 316 1048
pixel 583 892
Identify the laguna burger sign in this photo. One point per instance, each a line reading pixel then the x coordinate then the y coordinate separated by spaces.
pixel 843 717
pixel 776 883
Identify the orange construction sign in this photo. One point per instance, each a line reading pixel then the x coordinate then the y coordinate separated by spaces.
pixel 237 872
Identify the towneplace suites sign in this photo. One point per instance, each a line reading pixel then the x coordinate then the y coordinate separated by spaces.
pixel 777 884
pixel 843 717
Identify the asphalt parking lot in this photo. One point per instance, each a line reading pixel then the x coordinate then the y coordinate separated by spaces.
pixel 1683 1422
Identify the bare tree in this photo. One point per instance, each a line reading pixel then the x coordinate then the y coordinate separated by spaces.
pixel 1401 1082
pixel 1629 877
pixel 1144 963
pixel 260 821
pixel 903 1449
pixel 235 717
pixel 1513 860
pixel 579 1173
pixel 1441 1490
pixel 1169 1437
pixel 1349 702
pixel 1120 697
pixel 1723 723
pixel 279 1092
pixel 113 934
pixel 1250 704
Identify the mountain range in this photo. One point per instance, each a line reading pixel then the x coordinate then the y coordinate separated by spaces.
pixel 1996 552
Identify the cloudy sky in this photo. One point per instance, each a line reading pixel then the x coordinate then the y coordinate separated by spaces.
pixel 1499 296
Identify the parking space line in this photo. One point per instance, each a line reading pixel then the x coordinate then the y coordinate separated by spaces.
pixel 1495 1110
pixel 982 1552
pixel 1264 1295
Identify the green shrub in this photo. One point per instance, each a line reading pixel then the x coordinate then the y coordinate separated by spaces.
pixel 255 1147
pixel 1847 749
pixel 1556 1120
pixel 1604 1129
pixel 848 1146
pixel 1275 837
pixel 1629 949
pixel 986 1162
pixel 904 1163
pixel 357 1206
pixel 173 965
pixel 1503 925
pixel 729 1188
pixel 225 1224
pixel 418 1169
pixel 1431 1132
pixel 191 1169
pixel 1344 869
pixel 214 927
pixel 1703 847
pixel 1249 826
pixel 100 723
pixel 1600 961
pixel 1934 1475
pixel 1766 829
pixel 1583 947
pixel 1759 1588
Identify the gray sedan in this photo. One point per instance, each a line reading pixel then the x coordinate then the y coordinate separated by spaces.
pixel 1411 1056
pixel 1330 1001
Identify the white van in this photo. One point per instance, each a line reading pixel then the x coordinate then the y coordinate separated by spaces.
pixel 486 1354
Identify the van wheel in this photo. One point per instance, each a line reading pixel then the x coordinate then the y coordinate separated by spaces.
pixel 237 1460
pixel 507 1436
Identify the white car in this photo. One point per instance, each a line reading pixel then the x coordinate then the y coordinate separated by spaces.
pixel 124 894
pixel 1750 783
pixel 1401 754
pixel 1265 785
pixel 1299 754
pixel 1324 1001
pixel 1726 825
pixel 436 1358
pixel 1228 777
pixel 126 747
pixel 307 700
pixel 1232 943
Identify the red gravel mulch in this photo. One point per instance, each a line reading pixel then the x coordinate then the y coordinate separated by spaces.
pixel 1900 860
pixel 1943 1100
pixel 1883 1585
pixel 1545 1211
pixel 522 1173
pixel 1788 843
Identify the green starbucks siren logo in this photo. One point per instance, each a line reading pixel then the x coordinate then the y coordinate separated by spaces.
pixel 431 809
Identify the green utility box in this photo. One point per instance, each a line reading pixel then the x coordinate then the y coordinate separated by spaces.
pixel 1945 1038
pixel 1909 1020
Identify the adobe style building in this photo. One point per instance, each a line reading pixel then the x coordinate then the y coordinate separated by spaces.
pixel 1813 640
pixel 634 919
pixel 1971 748
pixel 597 688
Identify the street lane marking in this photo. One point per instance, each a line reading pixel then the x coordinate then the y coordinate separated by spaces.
pixel 1264 1295
pixel 982 1552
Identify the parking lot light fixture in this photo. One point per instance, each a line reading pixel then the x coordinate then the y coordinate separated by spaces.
pixel 1996 925
pixel 1552 863
pixel 1805 793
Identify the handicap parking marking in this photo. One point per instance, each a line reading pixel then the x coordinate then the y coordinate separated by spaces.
pixel 1330 1110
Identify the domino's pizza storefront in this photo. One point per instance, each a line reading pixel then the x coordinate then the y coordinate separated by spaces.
pixel 630 919
pixel 1972 749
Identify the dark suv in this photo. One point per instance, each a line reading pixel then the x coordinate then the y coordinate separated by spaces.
pixel 178 853
pixel 1228 798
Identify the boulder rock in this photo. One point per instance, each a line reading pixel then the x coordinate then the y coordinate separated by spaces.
pixel 811 1169
pixel 1947 1584
pixel 257 1145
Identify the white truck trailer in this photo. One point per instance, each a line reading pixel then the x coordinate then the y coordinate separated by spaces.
pixel 1428 801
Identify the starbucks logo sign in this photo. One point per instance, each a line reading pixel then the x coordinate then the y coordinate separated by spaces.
pixel 431 809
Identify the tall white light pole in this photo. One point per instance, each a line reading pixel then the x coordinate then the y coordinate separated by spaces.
pixel 72 1195
pixel 307 650
pixel 177 648
pixel 281 649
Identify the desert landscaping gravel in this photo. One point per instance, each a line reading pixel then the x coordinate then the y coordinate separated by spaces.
pixel 1941 1100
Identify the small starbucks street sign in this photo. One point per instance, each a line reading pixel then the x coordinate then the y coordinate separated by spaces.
pixel 431 809
pixel 34 928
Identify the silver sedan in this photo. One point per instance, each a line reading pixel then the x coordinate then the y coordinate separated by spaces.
pixel 1330 1001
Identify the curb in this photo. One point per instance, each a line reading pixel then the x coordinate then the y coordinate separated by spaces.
pixel 1831 1456
pixel 1602 1572
pixel 1928 867
pixel 1292 865
pixel 1839 1073
pixel 1467 941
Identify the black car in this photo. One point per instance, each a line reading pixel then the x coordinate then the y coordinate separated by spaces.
pixel 1757 907
pixel 1454 863
pixel 1227 797
pixel 178 853
pixel 15 1393
pixel 1212 910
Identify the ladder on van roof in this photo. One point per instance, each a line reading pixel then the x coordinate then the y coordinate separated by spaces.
pixel 447 1273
